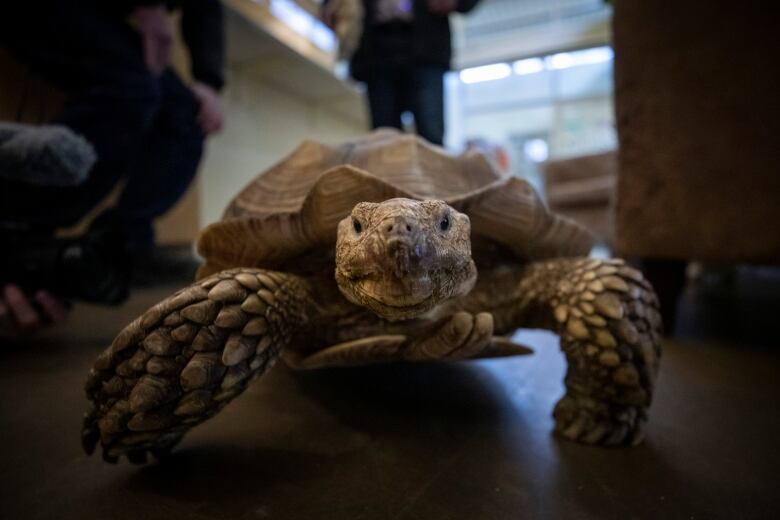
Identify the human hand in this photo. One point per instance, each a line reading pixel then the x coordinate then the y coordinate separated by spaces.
pixel 157 35
pixel 19 317
pixel 329 18
pixel 442 7
pixel 210 111
pixel 329 13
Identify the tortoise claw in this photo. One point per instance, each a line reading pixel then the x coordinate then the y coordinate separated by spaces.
pixel 586 421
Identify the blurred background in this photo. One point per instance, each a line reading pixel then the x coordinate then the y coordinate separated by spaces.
pixel 654 124
pixel 536 85
pixel 531 82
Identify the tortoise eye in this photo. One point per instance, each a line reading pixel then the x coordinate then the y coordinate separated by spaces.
pixel 444 224
pixel 357 225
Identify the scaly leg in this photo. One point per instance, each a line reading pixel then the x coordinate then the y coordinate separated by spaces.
pixel 607 316
pixel 185 358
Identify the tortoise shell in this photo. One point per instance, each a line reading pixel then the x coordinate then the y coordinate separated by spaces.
pixel 296 205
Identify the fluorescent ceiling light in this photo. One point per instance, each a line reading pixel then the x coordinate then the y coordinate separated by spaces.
pixel 595 55
pixel 564 60
pixel 485 73
pixel 561 60
pixel 528 66
pixel 302 22
pixel 536 150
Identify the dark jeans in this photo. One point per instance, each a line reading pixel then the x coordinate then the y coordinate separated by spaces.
pixel 143 127
pixel 415 88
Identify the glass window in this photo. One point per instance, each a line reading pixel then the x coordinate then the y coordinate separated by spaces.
pixel 535 108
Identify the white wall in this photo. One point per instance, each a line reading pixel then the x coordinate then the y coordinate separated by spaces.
pixel 264 122
pixel 276 95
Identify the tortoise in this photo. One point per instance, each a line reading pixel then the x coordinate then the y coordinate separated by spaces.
pixel 367 252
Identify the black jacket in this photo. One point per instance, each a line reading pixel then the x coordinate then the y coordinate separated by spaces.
pixel 203 30
pixel 201 23
pixel 426 40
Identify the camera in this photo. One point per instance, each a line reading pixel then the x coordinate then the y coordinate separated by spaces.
pixel 94 267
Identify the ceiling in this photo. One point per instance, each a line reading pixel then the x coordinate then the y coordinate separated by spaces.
pixel 503 30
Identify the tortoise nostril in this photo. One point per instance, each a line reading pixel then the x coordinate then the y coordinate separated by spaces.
pixel 398 226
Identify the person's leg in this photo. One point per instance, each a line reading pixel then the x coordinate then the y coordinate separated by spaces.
pixel 167 164
pixel 385 99
pixel 112 100
pixel 427 101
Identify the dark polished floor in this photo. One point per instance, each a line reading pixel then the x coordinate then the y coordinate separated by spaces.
pixel 443 441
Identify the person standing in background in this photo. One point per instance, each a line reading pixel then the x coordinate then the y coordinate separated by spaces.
pixel 404 51
pixel 112 60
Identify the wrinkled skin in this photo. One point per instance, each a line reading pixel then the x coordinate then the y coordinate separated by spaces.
pixel 401 258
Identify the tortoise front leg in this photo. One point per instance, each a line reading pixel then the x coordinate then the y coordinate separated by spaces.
pixel 185 358
pixel 607 316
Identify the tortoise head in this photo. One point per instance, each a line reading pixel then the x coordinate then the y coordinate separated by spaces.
pixel 402 257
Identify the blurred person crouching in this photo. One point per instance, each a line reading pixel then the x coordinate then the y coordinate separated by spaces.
pixel 147 127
